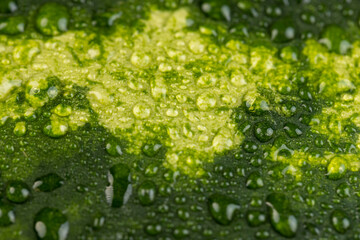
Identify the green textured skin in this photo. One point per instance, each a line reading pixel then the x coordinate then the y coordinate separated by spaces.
pixel 294 172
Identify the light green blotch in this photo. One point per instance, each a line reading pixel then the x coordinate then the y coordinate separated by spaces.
pixel 186 110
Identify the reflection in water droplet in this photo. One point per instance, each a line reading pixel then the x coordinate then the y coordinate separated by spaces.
pixel 40 228
pixel 50 223
pixel 63 231
pixel 7 215
pixel 120 189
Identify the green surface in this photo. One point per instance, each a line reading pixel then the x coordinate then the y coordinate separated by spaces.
pixel 179 119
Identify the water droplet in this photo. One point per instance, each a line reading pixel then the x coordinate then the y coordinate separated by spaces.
pixel 113 148
pixel 292 130
pixel 222 208
pixel 165 190
pixel 340 221
pixel 151 170
pixel 17 191
pixel 12 25
pixel 256 105
pixel 256 161
pixel 312 228
pixel 50 223
pixel 255 218
pixel 147 193
pixel 283 30
pixel 254 181
pixel 172 112
pixel 207 80
pixel 273 11
pixel 262 234
pixel 153 229
pixel 206 101
pixel 181 232
pixel 197 47
pixel 7 215
pixel 8 6
pixel 281 217
pixel 142 111
pixel 119 190
pixel 20 129
pixel 183 214
pixel 335 38
pixel 308 18
pixel 98 222
pixel 48 182
pixel 263 131
pixel 63 110
pixel 140 60
pixel 250 146
pixel 52 19
pixel 289 54
pixel 306 95
pixel 56 129
pixel 216 10
pixel 222 141
pixel 151 149
pixel 245 5
pixel 343 190
pixel 336 168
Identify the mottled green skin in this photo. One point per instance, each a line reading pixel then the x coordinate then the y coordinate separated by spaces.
pixel 268 198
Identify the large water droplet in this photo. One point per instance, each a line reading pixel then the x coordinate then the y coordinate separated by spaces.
pixel 50 223
pixel 52 19
pixel 281 217
pixel 335 38
pixel 12 25
pixel 7 215
pixel 17 191
pixel 222 208
pixel 48 182
pixel 8 6
pixel 119 190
